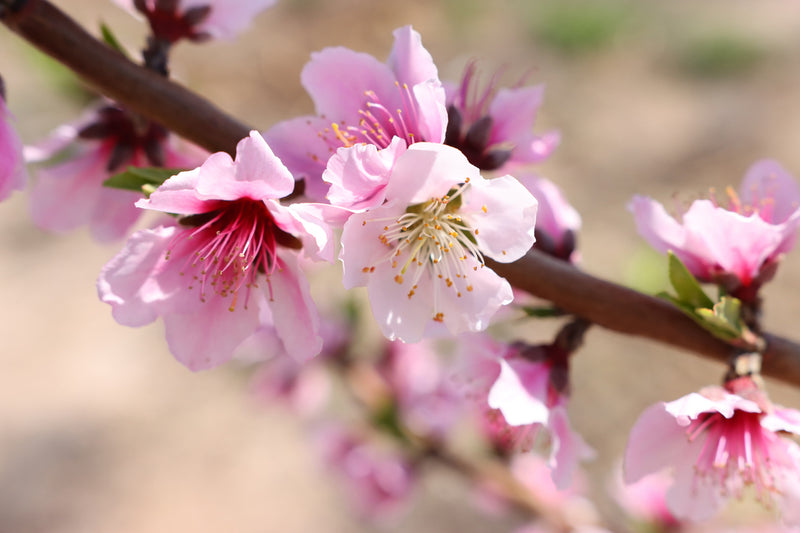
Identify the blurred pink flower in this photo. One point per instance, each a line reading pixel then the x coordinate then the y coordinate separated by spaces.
pixel 718 443
pixel 70 194
pixel 494 126
pixel 521 393
pixel 646 500
pixel 557 222
pixel 738 246
pixel 358 100
pixel 427 402
pixel 420 254
pixel 13 175
pixel 378 481
pixel 172 20
pixel 228 266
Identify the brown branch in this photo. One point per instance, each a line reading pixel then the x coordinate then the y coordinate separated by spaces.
pixel 604 303
pixel 137 88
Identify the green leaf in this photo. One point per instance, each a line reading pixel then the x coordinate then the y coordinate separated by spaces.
pixel 686 285
pixel 725 317
pixel 141 179
pixel 111 40
pixel 722 320
pixel 542 312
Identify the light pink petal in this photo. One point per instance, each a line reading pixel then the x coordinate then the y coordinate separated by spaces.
pixel 513 112
pixel 664 233
pixel 656 441
pixel 475 307
pixel 361 244
pixel 229 17
pixel 13 175
pixel 71 194
pixel 397 315
pixel 114 214
pixel 511 397
pixel 409 60
pixel 358 175
pixel 782 419
pixel 338 97
pixel 504 214
pixel 736 243
pixel 689 407
pixel 786 453
pixel 255 162
pixel 305 144
pixel 293 311
pixel 60 138
pixel 208 335
pixel 256 174
pixel 431 112
pixel 428 170
pixel 178 194
pixel 535 149
pixel 555 216
pixel 568 449
pixel 772 190
pixel 311 223
pixel 129 282
pixel 693 497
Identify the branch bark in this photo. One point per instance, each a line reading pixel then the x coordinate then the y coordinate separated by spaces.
pixel 189 115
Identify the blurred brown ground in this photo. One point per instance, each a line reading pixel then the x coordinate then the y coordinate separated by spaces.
pixel 102 431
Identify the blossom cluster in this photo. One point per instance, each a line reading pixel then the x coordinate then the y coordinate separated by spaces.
pixel 417 187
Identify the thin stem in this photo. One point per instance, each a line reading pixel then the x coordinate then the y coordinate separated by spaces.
pixel 604 303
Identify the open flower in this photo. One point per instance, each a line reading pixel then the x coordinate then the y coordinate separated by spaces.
pixel 70 193
pixel 494 126
pixel 718 444
pixel 12 166
pixel 228 266
pixel 421 252
pixel 738 245
pixel 359 99
pixel 197 20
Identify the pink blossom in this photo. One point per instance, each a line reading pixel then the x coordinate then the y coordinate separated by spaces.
pixel 70 194
pixel 420 254
pixel 738 245
pixel 172 20
pixel 717 444
pixel 358 100
pixel 13 175
pixel 557 222
pixel 494 126
pixel 521 394
pixel 426 401
pixel 228 266
pixel 377 480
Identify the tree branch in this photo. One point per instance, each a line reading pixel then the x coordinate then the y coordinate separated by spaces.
pixel 607 304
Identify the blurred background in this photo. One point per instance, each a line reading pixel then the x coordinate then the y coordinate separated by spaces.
pixel 101 430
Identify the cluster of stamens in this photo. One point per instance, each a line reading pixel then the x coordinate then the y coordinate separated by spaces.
pixel 378 124
pixel 431 237
pixel 734 454
pixel 231 246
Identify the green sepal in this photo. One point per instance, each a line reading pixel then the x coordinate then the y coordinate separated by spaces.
pixel 686 285
pixel 141 179
pixel 111 40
